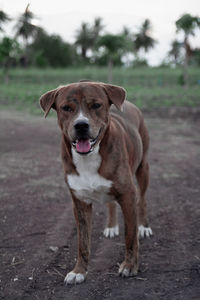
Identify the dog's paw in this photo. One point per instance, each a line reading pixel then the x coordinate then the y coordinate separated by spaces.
pixel 110 232
pixel 127 270
pixel 144 231
pixel 73 278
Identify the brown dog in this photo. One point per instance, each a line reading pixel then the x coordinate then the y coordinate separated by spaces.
pixel 102 150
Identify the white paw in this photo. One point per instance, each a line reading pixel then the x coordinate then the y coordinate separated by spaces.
pixel 72 278
pixel 124 272
pixel 127 271
pixel 144 231
pixel 111 232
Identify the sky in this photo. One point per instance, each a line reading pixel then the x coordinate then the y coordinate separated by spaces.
pixel 64 17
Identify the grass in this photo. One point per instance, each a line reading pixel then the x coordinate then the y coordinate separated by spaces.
pixel 146 87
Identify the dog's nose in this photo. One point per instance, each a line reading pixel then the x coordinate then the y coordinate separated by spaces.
pixel 82 127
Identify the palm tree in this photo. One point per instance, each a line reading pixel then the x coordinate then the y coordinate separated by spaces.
pixel 143 40
pixel 3 18
pixel 87 35
pixel 187 24
pixel 113 47
pixel 84 39
pixel 175 51
pixel 97 28
pixel 25 27
pixel 128 45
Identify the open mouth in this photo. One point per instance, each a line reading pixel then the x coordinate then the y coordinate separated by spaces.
pixel 84 146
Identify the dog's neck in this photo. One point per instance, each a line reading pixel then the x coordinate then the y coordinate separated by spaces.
pixel 91 159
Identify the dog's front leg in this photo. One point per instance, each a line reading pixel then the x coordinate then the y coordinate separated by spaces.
pixel 129 266
pixel 83 216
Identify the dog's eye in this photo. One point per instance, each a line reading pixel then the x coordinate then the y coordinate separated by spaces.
pixel 67 108
pixel 96 105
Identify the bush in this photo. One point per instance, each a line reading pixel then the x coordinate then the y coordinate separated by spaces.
pixel 181 80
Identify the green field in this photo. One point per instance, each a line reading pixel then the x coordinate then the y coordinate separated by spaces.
pixel 146 87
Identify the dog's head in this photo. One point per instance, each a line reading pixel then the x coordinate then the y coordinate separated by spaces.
pixel 83 111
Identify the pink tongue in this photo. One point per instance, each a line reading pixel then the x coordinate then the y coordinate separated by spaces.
pixel 83 146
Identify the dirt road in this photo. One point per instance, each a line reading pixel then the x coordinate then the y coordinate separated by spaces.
pixel 37 228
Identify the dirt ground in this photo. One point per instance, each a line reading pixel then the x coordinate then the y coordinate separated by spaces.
pixel 37 227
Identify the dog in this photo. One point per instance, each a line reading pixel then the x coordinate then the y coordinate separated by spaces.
pixel 104 146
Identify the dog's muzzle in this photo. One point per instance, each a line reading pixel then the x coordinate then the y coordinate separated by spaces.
pixel 82 129
pixel 83 143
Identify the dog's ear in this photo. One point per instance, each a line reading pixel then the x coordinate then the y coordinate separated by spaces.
pixel 47 101
pixel 115 94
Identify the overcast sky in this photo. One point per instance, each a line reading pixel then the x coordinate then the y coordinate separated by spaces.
pixel 64 17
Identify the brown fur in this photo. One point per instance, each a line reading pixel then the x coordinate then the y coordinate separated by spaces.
pixel 123 148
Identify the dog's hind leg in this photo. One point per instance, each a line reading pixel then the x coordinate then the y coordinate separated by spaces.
pixel 142 175
pixel 112 227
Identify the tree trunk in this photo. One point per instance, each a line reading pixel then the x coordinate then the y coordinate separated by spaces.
pixel 26 52
pixel 186 60
pixel 83 52
pixel 110 66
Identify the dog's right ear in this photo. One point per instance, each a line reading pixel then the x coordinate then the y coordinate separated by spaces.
pixel 47 101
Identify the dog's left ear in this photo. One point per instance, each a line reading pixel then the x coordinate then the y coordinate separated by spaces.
pixel 116 94
pixel 47 101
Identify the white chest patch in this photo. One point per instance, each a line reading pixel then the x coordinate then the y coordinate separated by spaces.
pixel 89 186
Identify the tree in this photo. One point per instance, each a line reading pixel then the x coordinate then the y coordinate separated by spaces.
pixel 128 46
pixel 9 52
pixel 142 39
pixel 87 35
pixel 112 47
pixel 84 39
pixel 96 29
pixel 175 51
pixel 187 24
pixel 51 50
pixel 3 19
pixel 26 29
